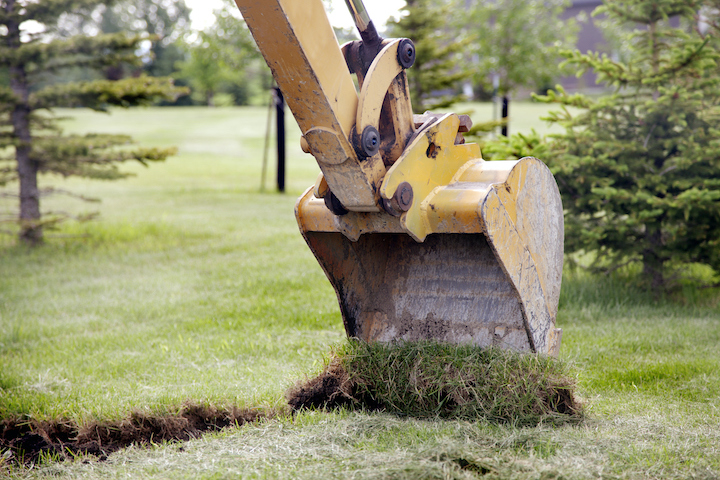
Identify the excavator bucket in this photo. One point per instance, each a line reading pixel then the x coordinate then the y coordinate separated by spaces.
pixel 420 237
pixel 488 274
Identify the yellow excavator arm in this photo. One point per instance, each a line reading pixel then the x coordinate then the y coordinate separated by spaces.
pixel 420 237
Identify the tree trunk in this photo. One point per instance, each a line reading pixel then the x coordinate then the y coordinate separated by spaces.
pixel 30 230
pixel 653 263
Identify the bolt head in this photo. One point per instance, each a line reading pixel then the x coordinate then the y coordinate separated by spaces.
pixel 370 141
pixel 406 53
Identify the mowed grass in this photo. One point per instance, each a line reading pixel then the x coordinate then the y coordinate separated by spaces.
pixel 193 285
pixel 190 285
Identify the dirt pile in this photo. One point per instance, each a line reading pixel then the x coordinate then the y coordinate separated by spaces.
pixel 28 440
pixel 332 388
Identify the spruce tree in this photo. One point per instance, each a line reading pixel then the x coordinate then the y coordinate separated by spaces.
pixel 438 64
pixel 31 142
pixel 639 169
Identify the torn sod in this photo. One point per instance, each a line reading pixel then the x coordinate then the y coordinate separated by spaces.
pixel 28 440
pixel 430 379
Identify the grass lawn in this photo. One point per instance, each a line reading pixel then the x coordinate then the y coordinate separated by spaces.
pixel 194 285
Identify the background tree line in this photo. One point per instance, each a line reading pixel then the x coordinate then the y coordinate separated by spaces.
pixel 638 168
pixel 99 54
pixel 220 60
pixel 460 43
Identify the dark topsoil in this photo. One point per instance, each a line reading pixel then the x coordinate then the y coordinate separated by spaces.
pixel 28 440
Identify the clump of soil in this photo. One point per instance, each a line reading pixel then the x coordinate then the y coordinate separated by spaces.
pixel 332 388
pixel 434 380
pixel 28 440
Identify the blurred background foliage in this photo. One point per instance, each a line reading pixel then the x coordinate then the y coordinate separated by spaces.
pixel 470 50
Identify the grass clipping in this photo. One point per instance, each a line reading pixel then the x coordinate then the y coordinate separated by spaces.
pixel 436 380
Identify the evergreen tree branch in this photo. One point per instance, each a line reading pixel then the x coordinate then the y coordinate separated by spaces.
pixel 48 11
pixel 92 155
pixel 80 51
pixel 645 13
pixel 7 175
pixel 7 98
pixel 101 94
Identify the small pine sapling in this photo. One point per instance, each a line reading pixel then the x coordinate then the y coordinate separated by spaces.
pixel 639 168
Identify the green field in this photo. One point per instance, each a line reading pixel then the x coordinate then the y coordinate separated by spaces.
pixel 195 286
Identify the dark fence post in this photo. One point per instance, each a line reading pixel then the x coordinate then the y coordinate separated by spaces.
pixel 280 110
pixel 504 116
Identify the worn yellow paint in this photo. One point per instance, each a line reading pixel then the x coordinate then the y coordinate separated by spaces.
pixel 482 172
pixel 523 221
pixel 430 161
pixel 313 216
pixel 450 209
pixel 380 75
pixel 320 188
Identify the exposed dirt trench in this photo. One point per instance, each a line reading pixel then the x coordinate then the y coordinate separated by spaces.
pixel 27 440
